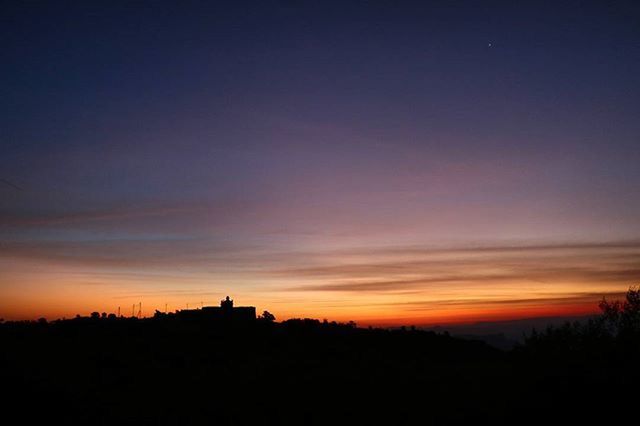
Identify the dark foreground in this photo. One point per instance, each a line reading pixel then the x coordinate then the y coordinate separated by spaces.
pixel 160 371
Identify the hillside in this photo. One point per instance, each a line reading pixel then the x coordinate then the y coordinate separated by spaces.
pixel 167 371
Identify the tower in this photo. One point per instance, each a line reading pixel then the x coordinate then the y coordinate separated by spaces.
pixel 227 307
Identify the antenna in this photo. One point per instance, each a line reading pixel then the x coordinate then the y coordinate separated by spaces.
pixel 140 310
pixel 118 311
pixel 133 310
pixel 165 308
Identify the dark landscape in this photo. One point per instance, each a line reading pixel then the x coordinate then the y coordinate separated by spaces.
pixel 192 370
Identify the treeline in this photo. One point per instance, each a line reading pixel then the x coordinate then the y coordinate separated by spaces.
pixel 615 333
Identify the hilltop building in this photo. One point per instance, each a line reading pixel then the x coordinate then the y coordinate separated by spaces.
pixel 226 311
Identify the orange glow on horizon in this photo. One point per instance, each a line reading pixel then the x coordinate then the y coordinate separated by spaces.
pixel 61 307
pixel 393 287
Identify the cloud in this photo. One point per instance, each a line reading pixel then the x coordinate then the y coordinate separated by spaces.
pixel 377 269
pixel 166 293
pixel 565 299
pixel 392 285
pixel 101 215
pixel 10 184
pixel 127 253
pixel 120 215
pixel 412 269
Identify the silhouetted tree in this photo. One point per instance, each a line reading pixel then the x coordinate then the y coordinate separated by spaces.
pixel 622 318
pixel 267 317
pixel 618 325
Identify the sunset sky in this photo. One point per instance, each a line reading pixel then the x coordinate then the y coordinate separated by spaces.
pixel 388 162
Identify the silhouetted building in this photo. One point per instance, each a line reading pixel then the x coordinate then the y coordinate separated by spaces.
pixel 226 311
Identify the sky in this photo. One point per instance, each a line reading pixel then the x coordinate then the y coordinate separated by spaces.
pixel 387 162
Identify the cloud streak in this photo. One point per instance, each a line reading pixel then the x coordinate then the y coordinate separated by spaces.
pixel 570 298
pixel 375 282
pixel 400 269
pixel 12 185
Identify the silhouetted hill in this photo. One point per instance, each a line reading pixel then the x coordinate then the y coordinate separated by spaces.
pixel 170 371
pixel 505 334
